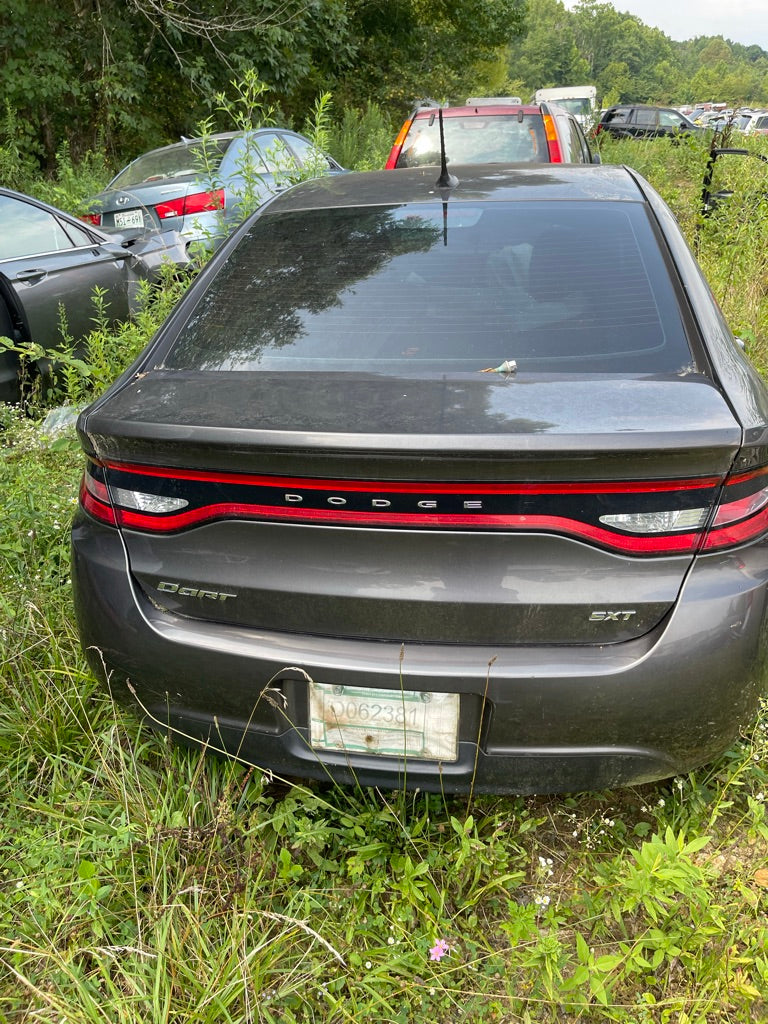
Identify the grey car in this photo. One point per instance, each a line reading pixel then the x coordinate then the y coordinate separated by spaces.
pixel 394 497
pixel 50 264
pixel 198 186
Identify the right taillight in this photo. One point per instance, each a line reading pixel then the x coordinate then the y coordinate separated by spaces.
pixel 553 142
pixel 198 202
pixel 394 153
pixel 742 512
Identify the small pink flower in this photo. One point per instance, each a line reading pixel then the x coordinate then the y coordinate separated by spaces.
pixel 438 951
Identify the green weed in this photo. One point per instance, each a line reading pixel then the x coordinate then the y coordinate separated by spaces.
pixel 141 880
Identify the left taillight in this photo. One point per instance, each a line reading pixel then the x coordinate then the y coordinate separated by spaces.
pixel 198 202
pixel 91 218
pixel 94 496
pixel 113 504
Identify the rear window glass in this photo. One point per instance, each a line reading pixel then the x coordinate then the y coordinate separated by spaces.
pixel 173 162
pixel 476 139
pixel 440 288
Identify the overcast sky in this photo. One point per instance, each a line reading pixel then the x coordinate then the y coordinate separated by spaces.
pixel 743 21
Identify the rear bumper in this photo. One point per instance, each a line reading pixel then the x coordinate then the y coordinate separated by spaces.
pixel 533 719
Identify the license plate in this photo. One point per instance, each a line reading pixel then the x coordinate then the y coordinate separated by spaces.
pixel 400 723
pixel 129 219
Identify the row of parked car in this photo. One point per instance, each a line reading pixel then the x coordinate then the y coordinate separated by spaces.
pixel 744 120
pixel 157 207
pixel 162 204
pixel 395 498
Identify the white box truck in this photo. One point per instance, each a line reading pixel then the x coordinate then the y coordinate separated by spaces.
pixel 579 100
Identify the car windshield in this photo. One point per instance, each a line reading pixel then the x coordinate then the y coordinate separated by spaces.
pixel 172 162
pixel 580 106
pixel 441 288
pixel 492 138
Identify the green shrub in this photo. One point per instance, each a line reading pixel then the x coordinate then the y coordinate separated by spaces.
pixel 361 141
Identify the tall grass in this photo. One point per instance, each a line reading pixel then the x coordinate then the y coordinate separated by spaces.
pixel 141 881
pixel 732 243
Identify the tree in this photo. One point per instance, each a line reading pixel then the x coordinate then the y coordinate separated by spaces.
pixel 128 74
pixel 547 55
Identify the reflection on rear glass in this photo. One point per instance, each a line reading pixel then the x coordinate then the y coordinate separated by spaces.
pixel 565 287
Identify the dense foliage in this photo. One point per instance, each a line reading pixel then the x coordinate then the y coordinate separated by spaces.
pixel 122 77
pixel 629 61
pixel 140 881
pixel 118 77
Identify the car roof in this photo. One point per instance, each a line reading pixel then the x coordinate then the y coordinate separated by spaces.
pixel 476 182
pixel 476 108
pixel 644 106
pixel 217 137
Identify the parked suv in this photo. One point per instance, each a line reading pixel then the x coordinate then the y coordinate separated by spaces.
pixel 640 121
pixel 756 123
pixel 491 132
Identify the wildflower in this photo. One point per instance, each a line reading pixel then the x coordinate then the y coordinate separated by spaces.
pixel 661 801
pixel 391 940
pixel 541 901
pixel 438 951
pixel 368 965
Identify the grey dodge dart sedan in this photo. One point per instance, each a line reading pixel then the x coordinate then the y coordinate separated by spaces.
pixel 395 496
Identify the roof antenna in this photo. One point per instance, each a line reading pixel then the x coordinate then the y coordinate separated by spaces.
pixel 445 180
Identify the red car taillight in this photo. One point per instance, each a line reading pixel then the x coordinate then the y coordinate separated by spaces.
pixel 742 512
pixel 91 218
pixel 394 153
pixel 94 496
pixel 662 517
pixel 553 142
pixel 199 202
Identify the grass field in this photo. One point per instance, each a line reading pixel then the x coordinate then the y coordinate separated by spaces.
pixel 142 881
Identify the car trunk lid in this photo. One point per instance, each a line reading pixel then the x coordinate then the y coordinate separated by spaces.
pixel 517 511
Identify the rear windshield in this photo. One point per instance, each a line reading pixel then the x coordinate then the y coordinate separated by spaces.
pixel 440 288
pixel 173 162
pixel 476 139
